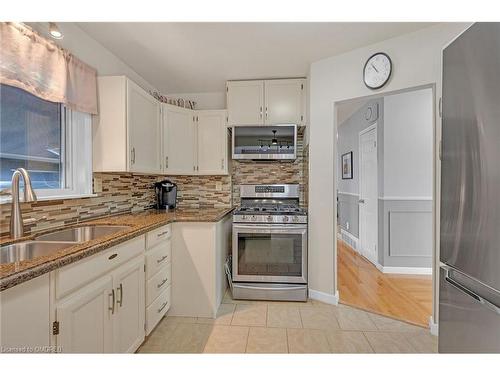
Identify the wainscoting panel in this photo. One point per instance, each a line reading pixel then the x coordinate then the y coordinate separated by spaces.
pixel 410 233
pixel 405 233
pixel 348 208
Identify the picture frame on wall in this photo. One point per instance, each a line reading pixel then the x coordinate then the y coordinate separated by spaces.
pixel 347 166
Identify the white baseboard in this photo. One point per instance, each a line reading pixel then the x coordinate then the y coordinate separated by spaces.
pixel 433 327
pixel 406 270
pixel 332 299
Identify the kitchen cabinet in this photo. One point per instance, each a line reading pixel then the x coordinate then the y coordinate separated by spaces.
pixel 266 102
pixel 127 130
pixel 194 142
pixel 212 142
pixel 128 323
pixel 158 275
pixel 104 308
pixel 84 319
pixel 245 102
pixel 25 317
pixel 179 140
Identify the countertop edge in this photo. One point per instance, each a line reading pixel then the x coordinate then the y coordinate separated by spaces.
pixel 20 277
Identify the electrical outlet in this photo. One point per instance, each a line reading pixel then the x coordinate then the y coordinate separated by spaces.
pixel 218 186
pixel 347 225
pixel 97 185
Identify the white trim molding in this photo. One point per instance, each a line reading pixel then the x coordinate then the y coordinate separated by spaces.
pixel 406 270
pixel 433 326
pixel 353 238
pixel 332 299
pixel 347 193
pixel 399 198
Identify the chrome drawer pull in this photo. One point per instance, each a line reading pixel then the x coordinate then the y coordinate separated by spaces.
pixel 162 233
pixel 112 256
pixel 162 283
pixel 162 259
pixel 120 288
pixel 163 306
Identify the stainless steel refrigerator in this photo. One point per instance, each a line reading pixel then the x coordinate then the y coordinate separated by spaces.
pixel 469 295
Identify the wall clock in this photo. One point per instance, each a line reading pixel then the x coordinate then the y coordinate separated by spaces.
pixel 377 70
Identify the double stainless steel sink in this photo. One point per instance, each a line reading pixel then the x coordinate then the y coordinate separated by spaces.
pixel 49 243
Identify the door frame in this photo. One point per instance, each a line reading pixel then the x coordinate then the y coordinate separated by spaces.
pixel 361 249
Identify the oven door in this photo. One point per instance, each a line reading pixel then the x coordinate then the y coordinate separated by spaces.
pixel 270 253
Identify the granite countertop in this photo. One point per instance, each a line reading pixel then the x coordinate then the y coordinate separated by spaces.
pixel 12 274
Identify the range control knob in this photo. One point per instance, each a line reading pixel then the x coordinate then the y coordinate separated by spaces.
pixel 269 218
pixel 243 217
pixel 295 219
pixel 254 218
pixel 285 219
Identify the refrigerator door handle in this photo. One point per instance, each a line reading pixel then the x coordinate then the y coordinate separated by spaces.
pixel 469 292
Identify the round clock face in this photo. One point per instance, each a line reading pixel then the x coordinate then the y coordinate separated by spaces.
pixel 377 70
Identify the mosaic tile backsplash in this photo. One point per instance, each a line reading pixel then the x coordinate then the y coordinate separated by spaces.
pixel 246 172
pixel 121 193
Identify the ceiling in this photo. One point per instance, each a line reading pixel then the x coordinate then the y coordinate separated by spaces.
pixel 200 57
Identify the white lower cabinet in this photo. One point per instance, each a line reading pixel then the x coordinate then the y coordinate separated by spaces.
pixel 158 276
pixel 84 319
pixel 128 322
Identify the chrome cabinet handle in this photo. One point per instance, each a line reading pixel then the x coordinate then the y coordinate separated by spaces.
pixel 120 301
pixel 222 163
pixel 260 111
pixel 266 113
pixel 163 306
pixel 166 162
pixel 132 155
pixel 162 259
pixel 112 308
pixel 194 167
pixel 162 283
pixel 162 233
pixel 361 201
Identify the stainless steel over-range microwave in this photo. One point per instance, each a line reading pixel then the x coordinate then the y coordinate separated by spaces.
pixel 269 142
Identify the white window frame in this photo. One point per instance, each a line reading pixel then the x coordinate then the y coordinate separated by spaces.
pixel 76 155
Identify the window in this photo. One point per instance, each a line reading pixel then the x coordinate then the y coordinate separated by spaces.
pixel 50 141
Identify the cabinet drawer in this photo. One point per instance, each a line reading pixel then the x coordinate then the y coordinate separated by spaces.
pixel 158 283
pixel 157 310
pixel 158 235
pixel 157 257
pixel 80 273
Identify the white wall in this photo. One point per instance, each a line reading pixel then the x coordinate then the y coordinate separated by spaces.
pixel 417 61
pixel 91 52
pixel 205 100
pixel 408 144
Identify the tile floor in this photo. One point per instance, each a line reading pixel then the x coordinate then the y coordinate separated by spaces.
pixel 287 327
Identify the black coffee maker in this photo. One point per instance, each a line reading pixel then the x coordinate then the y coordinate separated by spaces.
pixel 166 194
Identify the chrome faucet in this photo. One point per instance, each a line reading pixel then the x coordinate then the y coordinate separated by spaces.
pixel 16 218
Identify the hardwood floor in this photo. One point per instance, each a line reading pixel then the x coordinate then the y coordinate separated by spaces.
pixel 361 284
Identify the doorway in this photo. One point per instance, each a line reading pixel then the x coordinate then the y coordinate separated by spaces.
pixel 385 204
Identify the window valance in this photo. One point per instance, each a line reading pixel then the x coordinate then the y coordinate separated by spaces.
pixel 35 64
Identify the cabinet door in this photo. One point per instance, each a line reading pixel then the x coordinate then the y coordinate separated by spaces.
pixel 128 322
pixel 212 140
pixel 245 102
pixel 179 140
pixel 284 101
pixel 143 124
pixel 85 319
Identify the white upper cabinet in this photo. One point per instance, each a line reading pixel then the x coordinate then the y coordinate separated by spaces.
pixel 284 101
pixel 266 102
pixel 212 142
pixel 245 102
pixel 179 141
pixel 143 124
pixel 126 132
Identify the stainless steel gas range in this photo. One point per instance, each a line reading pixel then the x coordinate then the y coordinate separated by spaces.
pixel 269 259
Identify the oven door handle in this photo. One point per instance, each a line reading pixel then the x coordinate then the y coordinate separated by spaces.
pixel 274 287
pixel 259 228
